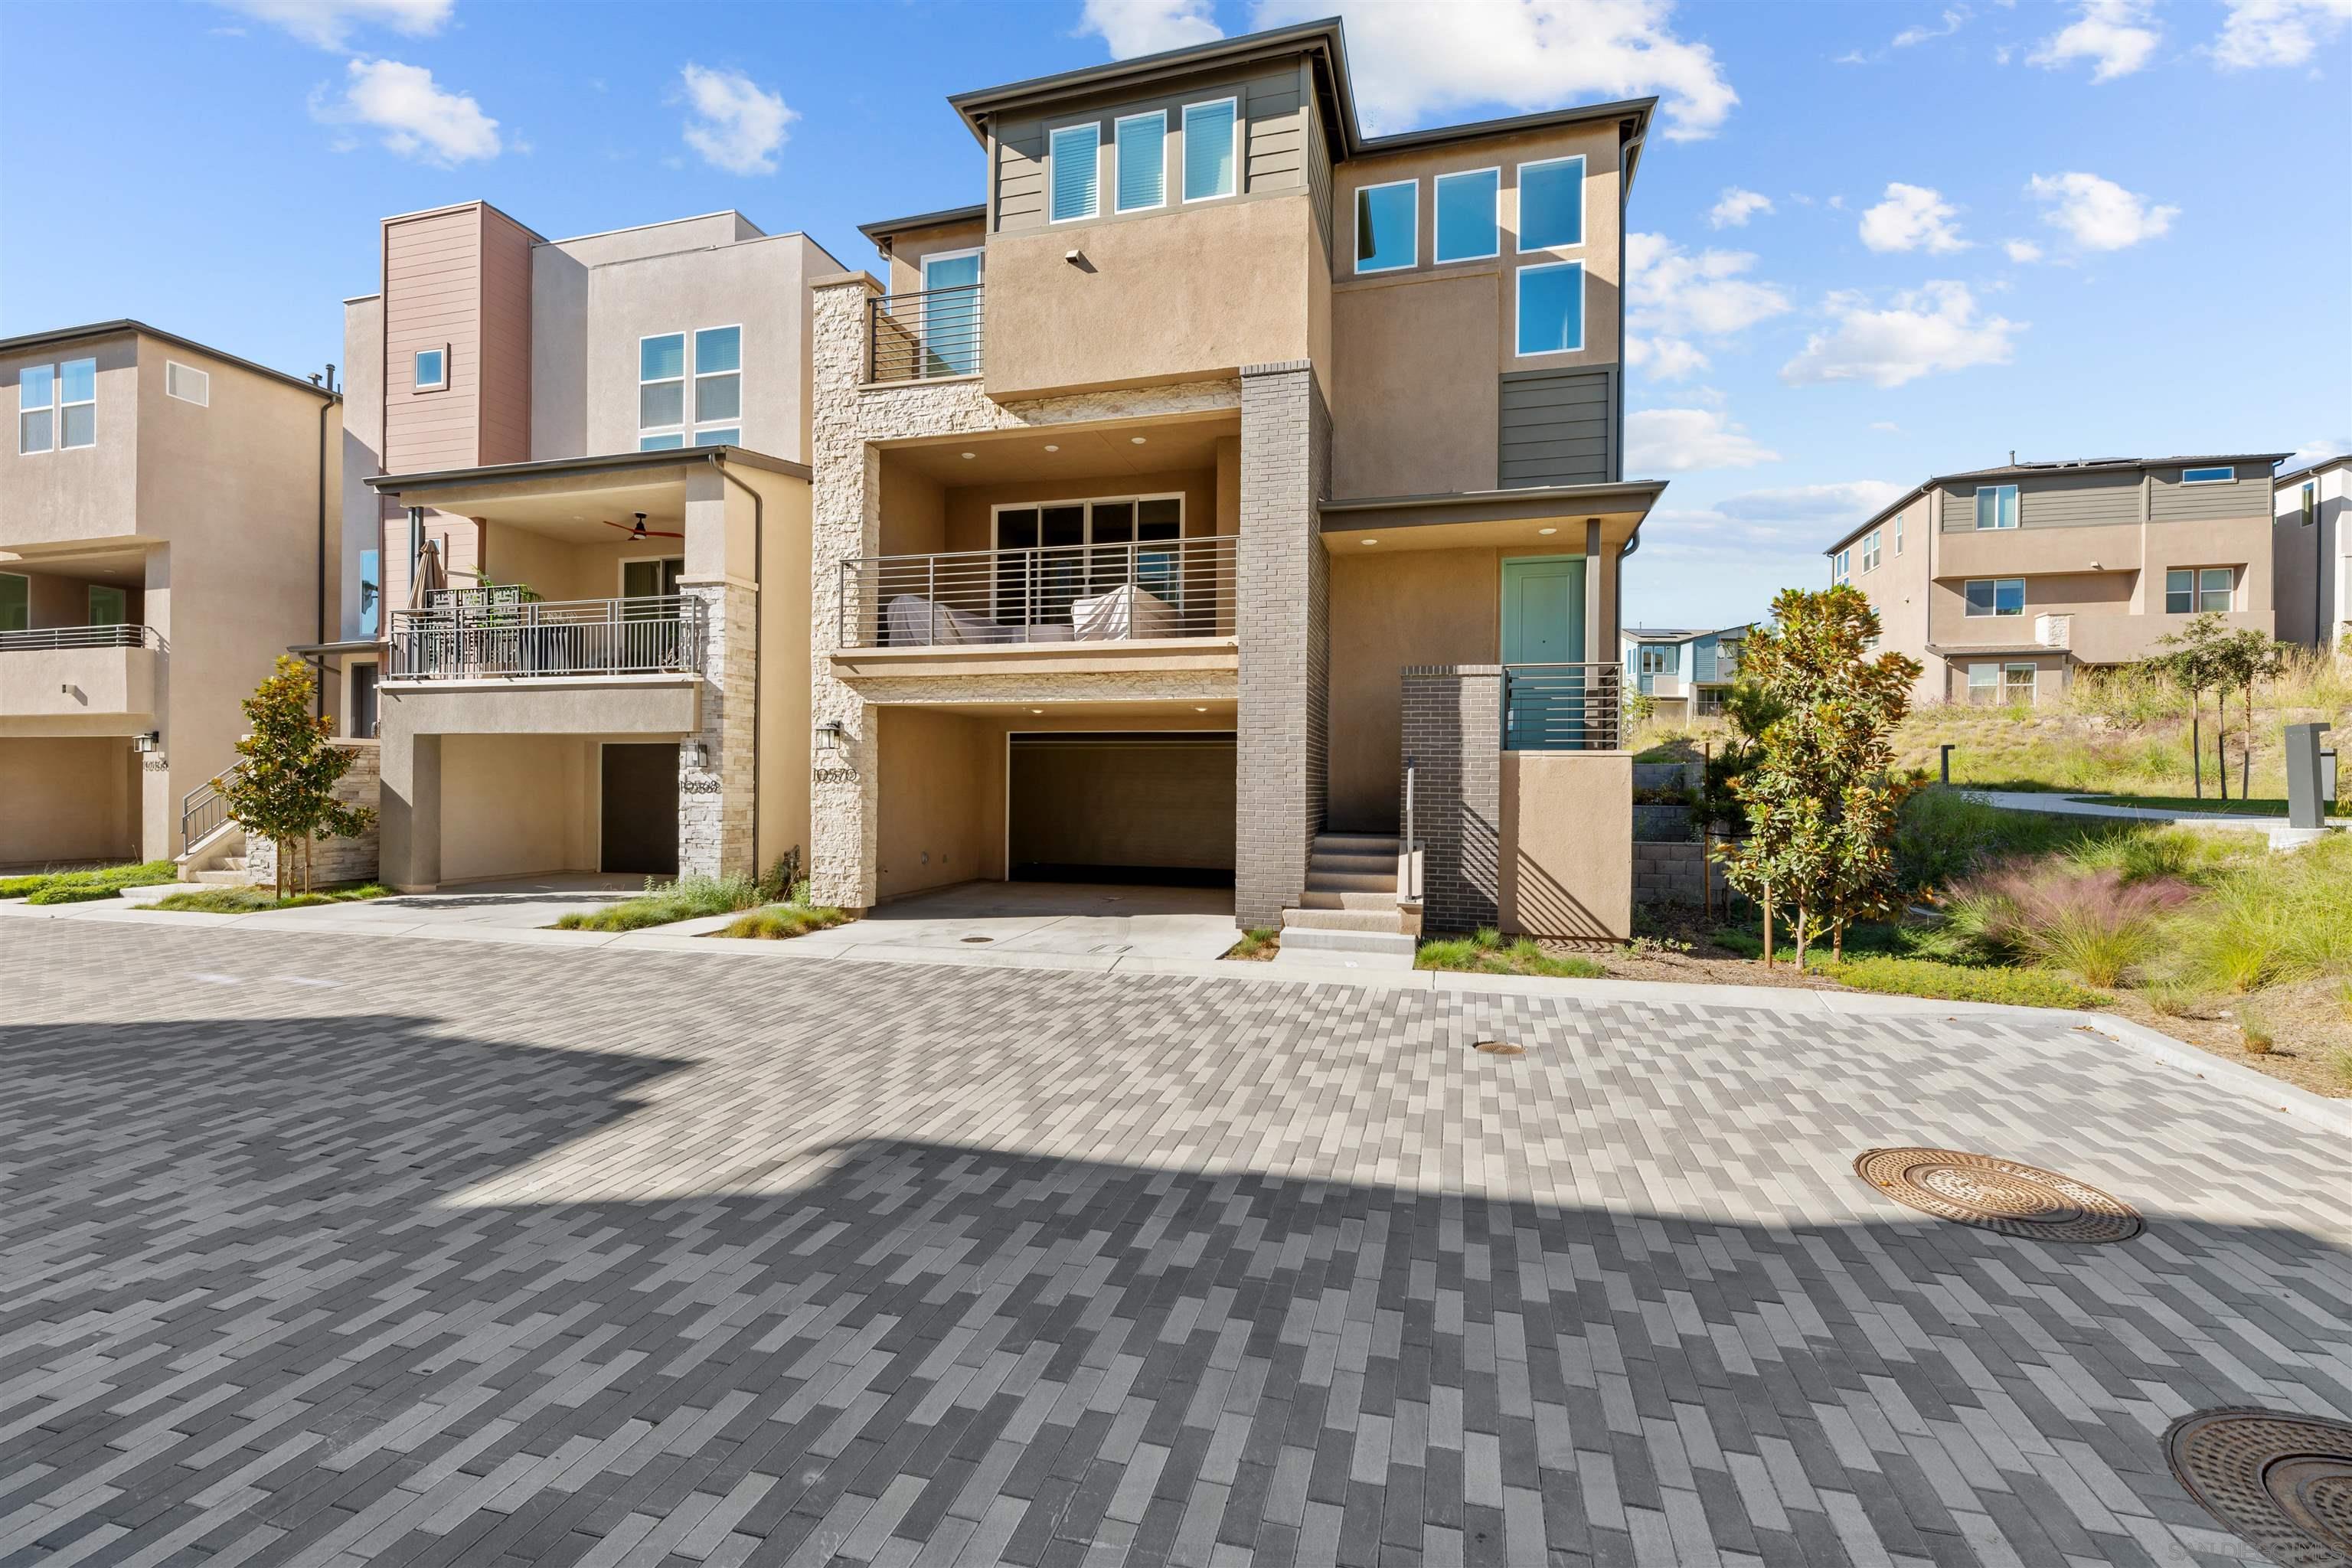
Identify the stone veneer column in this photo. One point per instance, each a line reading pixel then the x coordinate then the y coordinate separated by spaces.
pixel 846 522
pixel 1284 599
pixel 1452 741
pixel 714 799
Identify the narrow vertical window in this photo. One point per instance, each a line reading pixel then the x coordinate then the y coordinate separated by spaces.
pixel 1140 141
pixel 37 404
pixel 718 385
pixel 77 403
pixel 661 392
pixel 1551 308
pixel 1467 205
pixel 1388 227
pixel 1072 150
pixel 1211 154
pixel 371 592
pixel 1551 204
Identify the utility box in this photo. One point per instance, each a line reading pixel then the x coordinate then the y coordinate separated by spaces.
pixel 2307 799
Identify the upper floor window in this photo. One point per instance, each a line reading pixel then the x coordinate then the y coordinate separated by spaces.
pixel 1996 506
pixel 36 408
pixel 1551 204
pixel 15 602
pixel 1211 148
pixel 1551 308
pixel 717 379
pixel 1898 533
pixel 1072 152
pixel 187 383
pixel 666 422
pixel 1140 141
pixel 1727 660
pixel 2310 504
pixel 1657 659
pixel 1870 550
pixel 2223 475
pixel 1841 568
pixel 2189 590
pixel 432 370
pixel 1466 227
pixel 1996 596
pixel 57 405
pixel 371 592
pixel 1388 227
pixel 661 392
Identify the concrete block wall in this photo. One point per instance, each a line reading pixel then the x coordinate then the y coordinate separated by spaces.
pixel 1284 609
pixel 338 859
pixel 714 797
pixel 1452 741
pixel 1673 873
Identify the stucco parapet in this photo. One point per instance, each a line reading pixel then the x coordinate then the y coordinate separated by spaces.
pixel 905 410
pixel 847 280
pixel 964 690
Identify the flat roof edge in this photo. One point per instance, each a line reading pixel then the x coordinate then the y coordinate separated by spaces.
pixel 612 462
pixel 128 324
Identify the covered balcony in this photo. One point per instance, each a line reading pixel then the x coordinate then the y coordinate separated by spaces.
pixel 74 656
pixel 933 334
pixel 474 633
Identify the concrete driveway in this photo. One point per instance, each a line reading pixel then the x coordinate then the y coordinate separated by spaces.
pixel 1066 920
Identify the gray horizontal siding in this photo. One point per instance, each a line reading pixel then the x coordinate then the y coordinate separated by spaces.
pixel 2172 502
pixel 1555 427
pixel 2059 500
pixel 1020 175
pixel 1318 179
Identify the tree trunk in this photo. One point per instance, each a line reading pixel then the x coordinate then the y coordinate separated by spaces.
pixel 2246 758
pixel 1767 925
pixel 277 869
pixel 1804 929
pixel 2197 743
pixel 306 862
pixel 1837 939
pixel 2221 750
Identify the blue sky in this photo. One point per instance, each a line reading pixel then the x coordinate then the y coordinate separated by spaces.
pixel 1877 241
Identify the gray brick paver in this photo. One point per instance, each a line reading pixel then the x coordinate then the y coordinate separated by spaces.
pixel 813 1262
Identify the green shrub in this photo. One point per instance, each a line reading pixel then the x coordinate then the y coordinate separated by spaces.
pixel 2340 1061
pixel 1486 953
pixel 688 898
pixel 75 893
pixel 2260 1039
pixel 1257 944
pixel 2274 919
pixel 2093 923
pixel 778 921
pixel 254 901
pixel 107 878
pixel 1958 983
pixel 2172 999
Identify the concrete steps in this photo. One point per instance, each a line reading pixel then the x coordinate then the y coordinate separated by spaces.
pixel 1311 918
pixel 1346 949
pixel 1346 915
pixel 229 873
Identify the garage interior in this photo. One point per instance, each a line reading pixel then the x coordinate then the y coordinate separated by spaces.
pixel 1152 809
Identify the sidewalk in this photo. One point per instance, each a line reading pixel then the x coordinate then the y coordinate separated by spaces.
pixel 2056 804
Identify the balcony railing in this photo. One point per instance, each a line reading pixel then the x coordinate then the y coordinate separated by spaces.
pixel 1136 591
pixel 1563 707
pixel 122 635
pixel 925 336
pixel 476 640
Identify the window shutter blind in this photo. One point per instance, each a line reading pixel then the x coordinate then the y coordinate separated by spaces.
pixel 1142 162
pixel 1208 150
pixel 1074 171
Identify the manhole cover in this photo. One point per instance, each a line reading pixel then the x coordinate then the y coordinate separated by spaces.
pixel 2282 1481
pixel 977 939
pixel 1997 1195
pixel 1500 1049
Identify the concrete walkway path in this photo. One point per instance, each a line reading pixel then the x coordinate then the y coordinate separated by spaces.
pixel 2056 804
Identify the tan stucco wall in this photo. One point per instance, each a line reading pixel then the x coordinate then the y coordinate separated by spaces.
pixel 1414 402
pixel 110 691
pixel 903 272
pixel 69 800
pixel 933 828
pixel 86 492
pixel 1899 590
pixel 1568 844
pixel 514 806
pixel 1197 291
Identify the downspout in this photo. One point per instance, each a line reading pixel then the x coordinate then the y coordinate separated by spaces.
pixel 318 631
pixel 759 620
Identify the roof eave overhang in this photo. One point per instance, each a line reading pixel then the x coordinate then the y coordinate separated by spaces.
pixel 1526 505
pixel 615 463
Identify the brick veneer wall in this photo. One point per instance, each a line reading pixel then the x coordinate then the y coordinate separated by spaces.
pixel 338 859
pixel 1283 595
pixel 1452 741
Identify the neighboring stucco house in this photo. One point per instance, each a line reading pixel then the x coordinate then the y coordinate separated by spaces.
pixel 165 531
pixel 576 507
pixel 2312 546
pixel 1218 470
pixel 1683 673
pixel 2002 581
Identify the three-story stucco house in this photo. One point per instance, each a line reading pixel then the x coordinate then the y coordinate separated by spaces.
pixel 165 531
pixel 577 506
pixel 1683 673
pixel 2002 581
pixel 1219 483
pixel 2312 544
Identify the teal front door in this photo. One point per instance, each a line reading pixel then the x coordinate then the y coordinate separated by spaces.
pixel 1544 680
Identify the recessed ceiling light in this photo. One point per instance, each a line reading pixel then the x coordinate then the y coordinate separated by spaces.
pixel 1036 711
pixel 1051 448
pixel 1368 542
pixel 1539 530
pixel 971 455
pixel 1136 440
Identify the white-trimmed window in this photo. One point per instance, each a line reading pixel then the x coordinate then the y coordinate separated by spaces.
pixel 1388 227
pixel 1550 308
pixel 696 401
pixel 1841 568
pixel 2196 590
pixel 36 408
pixel 718 386
pixel 661 392
pixel 2017 682
pixel 187 383
pixel 1898 533
pixel 1062 551
pixel 1073 152
pixel 1996 595
pixel 1658 659
pixel 1212 132
pixel 432 370
pixel 1870 552
pixel 1996 506
pixel 1551 204
pixel 1469 205
pixel 2310 504
pixel 2224 475
pixel 1139 144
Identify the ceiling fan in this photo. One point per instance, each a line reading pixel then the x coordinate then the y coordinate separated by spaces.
pixel 641 530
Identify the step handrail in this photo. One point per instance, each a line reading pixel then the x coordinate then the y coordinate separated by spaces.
pixel 203 810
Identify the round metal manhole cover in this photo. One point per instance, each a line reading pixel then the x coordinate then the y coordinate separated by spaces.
pixel 1500 1049
pixel 977 939
pixel 1997 1195
pixel 2282 1481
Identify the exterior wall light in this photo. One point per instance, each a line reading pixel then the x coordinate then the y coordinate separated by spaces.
pixel 150 742
pixel 694 753
pixel 829 736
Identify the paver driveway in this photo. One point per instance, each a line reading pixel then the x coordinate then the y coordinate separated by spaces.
pixel 332 1247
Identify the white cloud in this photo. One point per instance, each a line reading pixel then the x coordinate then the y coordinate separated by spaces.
pixel 1682 440
pixel 1888 426
pixel 2115 34
pixel 418 119
pixel 1849 501
pixel 2099 215
pixel 1911 218
pixel 1677 296
pixel 1412 58
pixel 330 24
pixel 738 124
pixel 1664 359
pixel 2277 32
pixel 2319 451
pixel 1953 18
pixel 2021 251
pixel 1926 330
pixel 1738 207
pixel 1133 27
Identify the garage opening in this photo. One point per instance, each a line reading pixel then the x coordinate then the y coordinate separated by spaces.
pixel 640 809
pixel 1155 810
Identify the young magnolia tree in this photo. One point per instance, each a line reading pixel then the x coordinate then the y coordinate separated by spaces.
pixel 2198 664
pixel 285 791
pixel 1821 798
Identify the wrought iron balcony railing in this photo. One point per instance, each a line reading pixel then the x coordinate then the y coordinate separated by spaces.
pixel 472 640
pixel 924 337
pixel 1136 591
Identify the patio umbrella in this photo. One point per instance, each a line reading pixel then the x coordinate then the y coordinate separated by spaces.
pixel 430 575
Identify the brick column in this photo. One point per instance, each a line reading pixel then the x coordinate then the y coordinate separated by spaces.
pixel 1284 602
pixel 1453 739
pixel 714 797
pixel 846 522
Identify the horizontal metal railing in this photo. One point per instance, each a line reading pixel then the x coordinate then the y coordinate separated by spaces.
pixel 460 640
pixel 1131 591
pixel 126 634
pixel 925 336
pixel 1563 707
